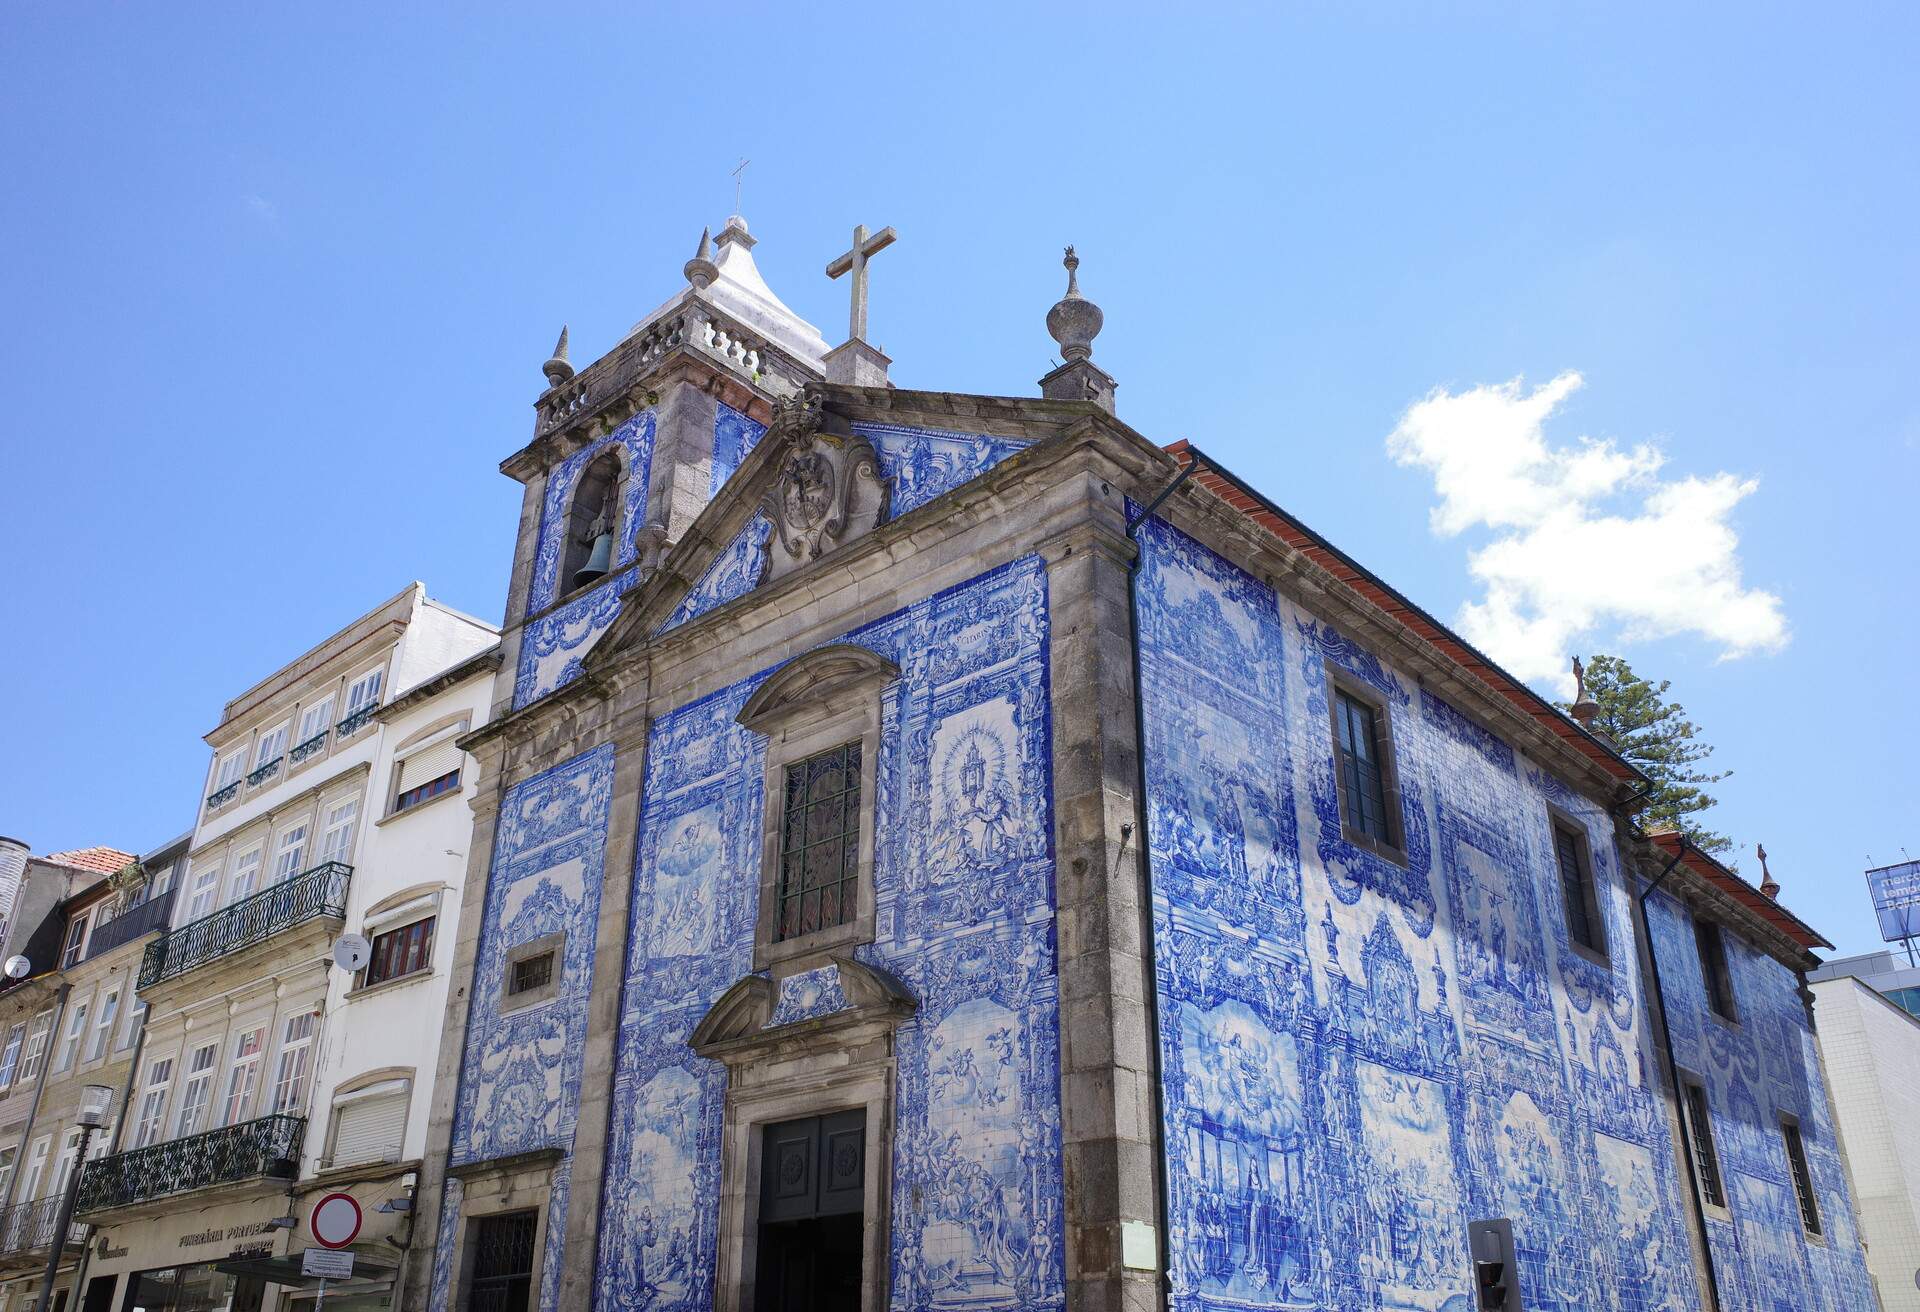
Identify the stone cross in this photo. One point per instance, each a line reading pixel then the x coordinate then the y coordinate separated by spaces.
pixel 855 261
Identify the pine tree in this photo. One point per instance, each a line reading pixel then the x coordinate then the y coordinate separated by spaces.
pixel 1656 736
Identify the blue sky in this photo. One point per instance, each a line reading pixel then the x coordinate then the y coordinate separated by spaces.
pixel 278 284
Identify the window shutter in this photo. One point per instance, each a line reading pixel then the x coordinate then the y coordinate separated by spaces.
pixel 370 1129
pixel 427 764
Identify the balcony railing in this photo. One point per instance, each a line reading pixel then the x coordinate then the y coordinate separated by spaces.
pixel 265 772
pixel 355 722
pixel 27 1226
pixel 302 751
pixel 129 925
pixel 321 891
pixel 269 1146
pixel 219 797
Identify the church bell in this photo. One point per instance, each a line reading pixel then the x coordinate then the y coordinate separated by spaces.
pixel 600 557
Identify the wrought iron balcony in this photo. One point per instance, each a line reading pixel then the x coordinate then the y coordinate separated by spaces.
pixel 27 1226
pixel 265 772
pixel 269 1146
pixel 354 723
pixel 302 751
pixel 321 891
pixel 219 797
pixel 131 924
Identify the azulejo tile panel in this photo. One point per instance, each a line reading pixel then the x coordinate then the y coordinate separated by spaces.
pixel 736 571
pixel 553 647
pixel 964 893
pixel 1756 1069
pixel 923 463
pixel 520 1069
pixel 1362 1055
pixel 734 437
pixel 634 438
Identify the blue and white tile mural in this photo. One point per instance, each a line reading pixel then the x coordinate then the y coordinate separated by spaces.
pixel 553 647
pixel 963 879
pixel 1756 1069
pixel 1361 1055
pixel 734 437
pixel 520 1071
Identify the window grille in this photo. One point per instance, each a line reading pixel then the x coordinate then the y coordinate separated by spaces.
pixel 502 1262
pixel 820 843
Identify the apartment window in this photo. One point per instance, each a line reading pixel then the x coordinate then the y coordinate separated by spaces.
pixel 230 770
pixel 290 859
pixel 296 1050
pixel 245 1076
pixel 197 1092
pixel 103 1028
pixel 503 1262
pixel 1802 1177
pixel 364 691
pixel 7 1156
pixel 407 950
pixel 1579 896
pixel 429 770
pixel 1363 774
pixel 1714 972
pixel 36 1167
pixel 34 1055
pixel 336 836
pixel 246 876
pixel 314 721
pixel 153 1102
pixel 10 1058
pixel 271 747
pixel 70 1041
pixel 369 1124
pixel 206 883
pixel 1706 1161
pixel 69 1154
pixel 820 843
pixel 76 940
pixel 136 1017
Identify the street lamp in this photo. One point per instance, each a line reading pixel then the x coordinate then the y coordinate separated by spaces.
pixel 96 1100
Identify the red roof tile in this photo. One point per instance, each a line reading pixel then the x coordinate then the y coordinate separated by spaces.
pixel 1718 876
pixel 101 860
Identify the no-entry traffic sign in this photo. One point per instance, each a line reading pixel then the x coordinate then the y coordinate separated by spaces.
pixel 334 1221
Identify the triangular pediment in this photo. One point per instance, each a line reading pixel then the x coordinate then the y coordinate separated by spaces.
pixel 835 463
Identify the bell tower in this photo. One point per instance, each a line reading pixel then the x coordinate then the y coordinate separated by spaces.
pixel 628 449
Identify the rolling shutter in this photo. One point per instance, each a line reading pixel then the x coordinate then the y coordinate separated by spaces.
pixel 427 764
pixel 369 1124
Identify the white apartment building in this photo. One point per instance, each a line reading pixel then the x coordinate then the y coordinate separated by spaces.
pixel 1870 1042
pixel 191 1210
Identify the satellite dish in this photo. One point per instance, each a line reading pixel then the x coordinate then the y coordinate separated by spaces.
pixel 18 967
pixel 351 953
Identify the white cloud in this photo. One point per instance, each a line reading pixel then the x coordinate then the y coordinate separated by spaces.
pixel 260 207
pixel 1590 542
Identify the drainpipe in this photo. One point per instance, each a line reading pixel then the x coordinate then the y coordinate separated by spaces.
pixel 1142 854
pixel 1698 1210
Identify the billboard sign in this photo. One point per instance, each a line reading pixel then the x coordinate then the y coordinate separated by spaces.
pixel 1896 900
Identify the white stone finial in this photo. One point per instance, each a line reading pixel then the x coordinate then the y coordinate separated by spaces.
pixel 1074 321
pixel 557 368
pixel 701 270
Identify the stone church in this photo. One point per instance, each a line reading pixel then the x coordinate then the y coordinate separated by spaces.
pixel 947 851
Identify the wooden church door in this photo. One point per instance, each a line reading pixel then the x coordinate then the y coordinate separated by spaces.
pixel 812 1200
